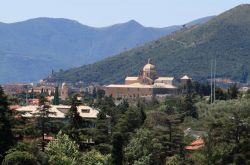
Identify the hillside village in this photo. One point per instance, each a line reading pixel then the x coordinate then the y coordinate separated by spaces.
pixel 179 100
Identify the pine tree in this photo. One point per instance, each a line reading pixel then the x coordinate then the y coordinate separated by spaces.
pixel 75 120
pixel 167 135
pixel 6 136
pixel 43 117
pixel 102 138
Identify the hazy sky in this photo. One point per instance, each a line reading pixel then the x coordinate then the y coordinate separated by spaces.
pixel 157 13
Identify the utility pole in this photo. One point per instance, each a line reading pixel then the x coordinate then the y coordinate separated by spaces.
pixel 211 84
pixel 213 81
pixel 214 77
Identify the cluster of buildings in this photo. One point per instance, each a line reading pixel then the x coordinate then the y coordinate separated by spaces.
pixel 146 84
pixel 33 90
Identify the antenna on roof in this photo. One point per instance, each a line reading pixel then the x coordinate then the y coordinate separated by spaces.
pixel 211 83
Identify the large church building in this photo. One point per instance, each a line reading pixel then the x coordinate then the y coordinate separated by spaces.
pixel 146 84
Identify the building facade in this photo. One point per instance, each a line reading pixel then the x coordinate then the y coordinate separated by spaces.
pixel 146 84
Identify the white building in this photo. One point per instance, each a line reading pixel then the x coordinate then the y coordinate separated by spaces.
pixel 59 111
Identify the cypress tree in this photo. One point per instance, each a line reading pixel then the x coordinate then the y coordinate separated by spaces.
pixel 56 97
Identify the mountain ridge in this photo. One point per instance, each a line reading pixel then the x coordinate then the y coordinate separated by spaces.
pixel 188 51
pixel 51 43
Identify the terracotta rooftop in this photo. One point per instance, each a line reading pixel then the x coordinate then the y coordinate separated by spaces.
pixel 195 145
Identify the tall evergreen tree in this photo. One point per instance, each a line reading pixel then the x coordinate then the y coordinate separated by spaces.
pixel 188 107
pixel 102 135
pixel 143 115
pixel 56 97
pixel 167 135
pixel 75 120
pixel 117 149
pixel 6 136
pixel 43 117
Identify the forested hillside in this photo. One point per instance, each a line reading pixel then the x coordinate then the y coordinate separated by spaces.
pixel 225 38
pixel 29 50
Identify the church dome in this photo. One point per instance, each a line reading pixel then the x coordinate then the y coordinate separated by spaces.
pixel 149 66
pixel 149 71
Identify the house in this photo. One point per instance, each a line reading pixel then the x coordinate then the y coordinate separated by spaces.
pixel 59 111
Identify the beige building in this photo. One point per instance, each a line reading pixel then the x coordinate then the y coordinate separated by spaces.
pixel 64 91
pixel 185 79
pixel 147 83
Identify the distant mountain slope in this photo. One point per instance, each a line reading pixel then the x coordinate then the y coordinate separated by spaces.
pixel 29 50
pixel 188 51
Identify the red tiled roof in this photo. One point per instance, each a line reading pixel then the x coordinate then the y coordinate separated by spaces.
pixel 195 145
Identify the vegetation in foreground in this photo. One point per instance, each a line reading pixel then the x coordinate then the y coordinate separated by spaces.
pixel 140 133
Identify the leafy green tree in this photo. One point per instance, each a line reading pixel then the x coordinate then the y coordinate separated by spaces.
pixel 139 148
pixel 20 158
pixel 94 157
pixel 63 150
pixel 6 136
pixel 228 133
pixel 56 99
pixel 174 160
pixel 30 147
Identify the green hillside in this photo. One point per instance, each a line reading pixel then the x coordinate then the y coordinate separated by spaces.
pixel 188 51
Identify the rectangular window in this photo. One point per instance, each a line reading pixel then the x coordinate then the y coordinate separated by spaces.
pixel 85 110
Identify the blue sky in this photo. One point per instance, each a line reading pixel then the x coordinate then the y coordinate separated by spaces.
pixel 99 13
